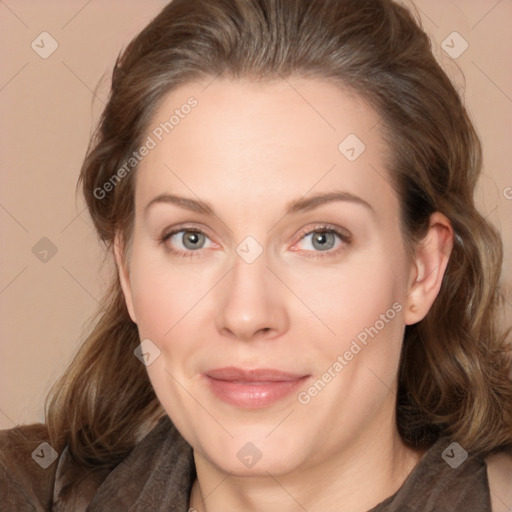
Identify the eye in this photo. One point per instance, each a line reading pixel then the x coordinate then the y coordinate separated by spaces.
pixel 191 240
pixel 185 241
pixel 323 239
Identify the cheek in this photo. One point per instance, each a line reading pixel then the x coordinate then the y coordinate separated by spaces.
pixel 152 304
pixel 361 304
pixel 164 293
pixel 165 298
pixel 353 296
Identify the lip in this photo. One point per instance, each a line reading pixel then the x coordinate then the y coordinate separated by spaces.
pixel 252 388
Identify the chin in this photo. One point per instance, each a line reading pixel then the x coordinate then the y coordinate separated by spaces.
pixel 256 455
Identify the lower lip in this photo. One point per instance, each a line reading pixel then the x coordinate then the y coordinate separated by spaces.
pixel 253 395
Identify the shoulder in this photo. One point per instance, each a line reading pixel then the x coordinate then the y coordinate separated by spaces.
pixel 446 478
pixel 34 476
pixel 499 473
pixel 27 468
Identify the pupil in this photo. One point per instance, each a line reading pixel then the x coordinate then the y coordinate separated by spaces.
pixel 323 241
pixel 192 240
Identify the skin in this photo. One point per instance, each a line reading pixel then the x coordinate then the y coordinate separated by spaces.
pixel 249 149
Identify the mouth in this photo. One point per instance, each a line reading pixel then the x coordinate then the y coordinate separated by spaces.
pixel 252 389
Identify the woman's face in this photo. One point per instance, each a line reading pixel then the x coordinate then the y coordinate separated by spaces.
pixel 268 269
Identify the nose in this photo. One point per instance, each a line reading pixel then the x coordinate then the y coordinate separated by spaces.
pixel 250 303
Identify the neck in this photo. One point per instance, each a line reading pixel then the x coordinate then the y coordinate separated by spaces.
pixel 354 479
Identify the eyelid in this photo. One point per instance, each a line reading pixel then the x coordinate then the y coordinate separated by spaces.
pixel 174 231
pixel 168 232
pixel 323 226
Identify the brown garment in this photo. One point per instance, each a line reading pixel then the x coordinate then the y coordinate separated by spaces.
pixel 158 475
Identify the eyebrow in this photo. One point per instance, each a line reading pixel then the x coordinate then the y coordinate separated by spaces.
pixel 316 200
pixel 182 202
pixel 299 205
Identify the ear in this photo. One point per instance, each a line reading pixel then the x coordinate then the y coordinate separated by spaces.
pixel 429 265
pixel 122 264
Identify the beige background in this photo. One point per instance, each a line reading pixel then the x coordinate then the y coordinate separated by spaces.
pixel 49 107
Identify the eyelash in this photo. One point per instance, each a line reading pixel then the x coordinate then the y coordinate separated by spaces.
pixel 320 228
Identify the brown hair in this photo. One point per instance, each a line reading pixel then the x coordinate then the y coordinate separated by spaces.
pixel 454 368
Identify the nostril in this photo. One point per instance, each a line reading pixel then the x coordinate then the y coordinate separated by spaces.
pixel 264 331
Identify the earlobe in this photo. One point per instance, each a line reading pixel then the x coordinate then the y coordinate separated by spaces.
pixel 122 266
pixel 430 261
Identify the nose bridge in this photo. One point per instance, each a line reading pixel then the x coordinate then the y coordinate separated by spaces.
pixel 251 305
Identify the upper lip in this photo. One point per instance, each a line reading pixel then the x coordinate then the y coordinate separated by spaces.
pixel 252 375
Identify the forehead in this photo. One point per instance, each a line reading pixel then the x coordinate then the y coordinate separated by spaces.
pixel 247 140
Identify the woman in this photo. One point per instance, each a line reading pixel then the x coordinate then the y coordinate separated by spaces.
pixel 303 315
